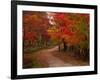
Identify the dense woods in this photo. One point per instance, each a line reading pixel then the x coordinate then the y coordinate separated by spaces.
pixel 45 30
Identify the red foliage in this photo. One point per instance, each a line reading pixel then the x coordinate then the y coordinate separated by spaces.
pixel 30 36
pixel 66 31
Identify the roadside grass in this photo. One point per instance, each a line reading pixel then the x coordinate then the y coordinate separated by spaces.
pixel 35 49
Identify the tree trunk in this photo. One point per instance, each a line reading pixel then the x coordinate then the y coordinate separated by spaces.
pixel 59 47
pixel 64 45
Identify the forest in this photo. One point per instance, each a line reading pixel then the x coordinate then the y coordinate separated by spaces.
pixel 55 36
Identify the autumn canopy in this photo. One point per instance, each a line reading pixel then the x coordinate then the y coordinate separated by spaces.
pixel 47 29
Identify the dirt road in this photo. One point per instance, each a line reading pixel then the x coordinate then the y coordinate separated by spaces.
pixel 53 58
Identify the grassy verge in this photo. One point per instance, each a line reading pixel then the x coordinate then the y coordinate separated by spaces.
pixel 35 49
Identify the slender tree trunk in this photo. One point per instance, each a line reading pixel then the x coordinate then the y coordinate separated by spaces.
pixel 64 45
pixel 59 47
